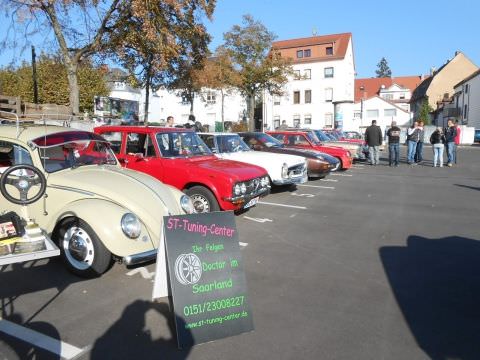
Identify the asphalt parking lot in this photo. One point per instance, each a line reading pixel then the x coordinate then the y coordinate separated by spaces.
pixel 372 263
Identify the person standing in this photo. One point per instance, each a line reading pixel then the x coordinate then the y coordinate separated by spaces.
pixel 393 135
pixel 457 139
pixel 421 138
pixel 450 133
pixel 373 138
pixel 412 140
pixel 437 139
pixel 170 121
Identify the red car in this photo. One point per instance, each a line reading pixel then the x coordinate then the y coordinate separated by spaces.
pixel 305 140
pixel 178 157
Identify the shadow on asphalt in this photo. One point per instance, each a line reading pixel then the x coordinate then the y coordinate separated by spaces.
pixel 468 187
pixel 129 337
pixel 24 278
pixel 436 283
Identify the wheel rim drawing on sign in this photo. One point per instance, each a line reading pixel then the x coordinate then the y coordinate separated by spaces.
pixel 188 269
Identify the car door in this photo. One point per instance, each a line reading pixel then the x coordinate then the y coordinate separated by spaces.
pixel 140 154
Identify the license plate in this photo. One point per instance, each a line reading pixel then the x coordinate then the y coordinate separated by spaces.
pixel 251 203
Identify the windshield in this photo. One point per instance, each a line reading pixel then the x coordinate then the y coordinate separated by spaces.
pixel 268 141
pixel 322 136
pixel 231 143
pixel 75 153
pixel 179 144
pixel 313 138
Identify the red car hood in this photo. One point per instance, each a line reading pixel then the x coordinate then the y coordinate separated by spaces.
pixel 240 170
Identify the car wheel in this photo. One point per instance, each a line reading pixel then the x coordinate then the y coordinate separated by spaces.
pixel 339 165
pixel 203 199
pixel 80 248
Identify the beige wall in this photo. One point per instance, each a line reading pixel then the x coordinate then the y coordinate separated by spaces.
pixel 455 71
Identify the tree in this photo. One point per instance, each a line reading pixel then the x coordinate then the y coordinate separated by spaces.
pixel 383 70
pixel 218 74
pixel 83 28
pixel 160 42
pixel 53 83
pixel 424 113
pixel 260 67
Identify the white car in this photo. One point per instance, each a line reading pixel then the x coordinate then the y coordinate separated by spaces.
pixel 283 169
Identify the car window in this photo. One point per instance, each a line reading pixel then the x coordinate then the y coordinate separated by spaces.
pixel 209 140
pixel 13 154
pixel 278 136
pixel 115 140
pixel 173 144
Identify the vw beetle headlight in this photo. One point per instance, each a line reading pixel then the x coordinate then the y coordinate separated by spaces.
pixel 187 204
pixel 284 170
pixel 131 225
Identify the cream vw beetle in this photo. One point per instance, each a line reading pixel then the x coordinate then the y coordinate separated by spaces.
pixel 95 210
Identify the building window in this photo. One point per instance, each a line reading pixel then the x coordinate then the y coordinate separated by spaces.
pixel 357 114
pixel 307 74
pixel 299 54
pixel 329 120
pixel 402 96
pixel 307 119
pixel 296 74
pixel 466 88
pixel 372 113
pixel 276 122
pixel 387 96
pixel 308 96
pixel 211 97
pixel 390 112
pixel 328 94
pixel 465 112
pixel 296 97
pixel 307 53
pixel 328 72
pixel 329 50
pixel 296 121
pixel 276 100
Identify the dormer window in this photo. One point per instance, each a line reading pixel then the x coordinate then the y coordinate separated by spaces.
pixel 304 53
pixel 329 50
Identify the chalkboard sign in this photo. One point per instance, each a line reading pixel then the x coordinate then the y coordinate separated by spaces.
pixel 207 279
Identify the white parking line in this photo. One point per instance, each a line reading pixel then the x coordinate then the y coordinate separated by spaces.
pixel 329 180
pixel 319 186
pixel 359 165
pixel 242 244
pixel 37 339
pixel 143 272
pixel 336 174
pixel 260 220
pixel 302 195
pixel 283 205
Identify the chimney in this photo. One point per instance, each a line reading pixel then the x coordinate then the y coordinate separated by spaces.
pixel 432 70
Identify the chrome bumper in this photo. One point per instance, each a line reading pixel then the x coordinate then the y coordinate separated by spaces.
pixel 140 257
pixel 297 180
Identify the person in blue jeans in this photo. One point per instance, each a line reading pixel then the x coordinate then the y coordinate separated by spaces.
pixel 393 135
pixel 450 133
pixel 413 135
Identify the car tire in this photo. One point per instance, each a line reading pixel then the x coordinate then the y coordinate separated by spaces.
pixel 80 248
pixel 339 166
pixel 203 199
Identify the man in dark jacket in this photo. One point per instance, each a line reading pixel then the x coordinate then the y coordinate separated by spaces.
pixel 393 135
pixel 373 138
pixel 450 133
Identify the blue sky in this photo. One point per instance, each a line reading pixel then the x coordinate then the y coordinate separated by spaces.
pixel 412 35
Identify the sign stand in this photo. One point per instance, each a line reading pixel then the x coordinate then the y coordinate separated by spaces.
pixel 160 284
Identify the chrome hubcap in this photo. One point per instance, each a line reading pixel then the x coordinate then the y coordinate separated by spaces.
pixel 78 247
pixel 200 204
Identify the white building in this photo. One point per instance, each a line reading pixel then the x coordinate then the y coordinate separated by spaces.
pixel 321 92
pixel 380 109
pixel 467 100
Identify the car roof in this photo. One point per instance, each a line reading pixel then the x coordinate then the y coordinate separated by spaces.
pixel 286 131
pixel 31 131
pixel 217 133
pixel 142 128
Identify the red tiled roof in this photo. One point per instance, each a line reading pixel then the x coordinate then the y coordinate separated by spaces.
pixel 339 50
pixel 372 86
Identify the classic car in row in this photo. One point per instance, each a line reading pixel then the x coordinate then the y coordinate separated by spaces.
pixel 95 210
pixel 319 164
pixel 282 170
pixel 306 140
pixel 178 157
pixel 357 150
